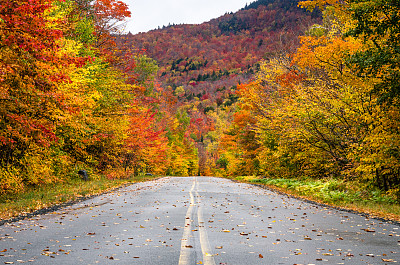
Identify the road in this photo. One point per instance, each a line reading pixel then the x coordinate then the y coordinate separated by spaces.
pixel 198 220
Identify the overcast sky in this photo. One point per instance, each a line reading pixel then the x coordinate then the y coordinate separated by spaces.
pixel 149 14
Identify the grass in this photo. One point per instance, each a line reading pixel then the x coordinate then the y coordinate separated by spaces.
pixel 347 195
pixel 39 197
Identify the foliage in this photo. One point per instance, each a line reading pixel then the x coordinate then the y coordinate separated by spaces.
pixel 377 24
pixel 317 112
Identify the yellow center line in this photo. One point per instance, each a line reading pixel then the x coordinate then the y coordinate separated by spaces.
pixel 184 257
pixel 208 257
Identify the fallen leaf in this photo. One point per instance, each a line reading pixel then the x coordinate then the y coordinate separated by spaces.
pixel 368 230
pixel 388 260
pixel 260 256
pixel 218 247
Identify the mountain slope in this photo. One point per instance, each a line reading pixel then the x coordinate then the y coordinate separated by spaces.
pixel 224 47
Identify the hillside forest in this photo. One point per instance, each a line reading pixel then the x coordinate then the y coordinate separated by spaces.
pixel 279 89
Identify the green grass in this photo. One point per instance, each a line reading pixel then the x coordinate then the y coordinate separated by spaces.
pixel 38 197
pixel 349 195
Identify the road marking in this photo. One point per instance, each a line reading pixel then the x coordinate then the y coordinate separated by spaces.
pixel 208 258
pixel 184 258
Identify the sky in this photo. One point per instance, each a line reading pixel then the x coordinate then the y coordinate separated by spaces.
pixel 151 14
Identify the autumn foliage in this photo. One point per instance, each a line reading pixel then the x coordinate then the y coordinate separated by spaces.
pixel 328 110
pixel 72 99
pixel 268 91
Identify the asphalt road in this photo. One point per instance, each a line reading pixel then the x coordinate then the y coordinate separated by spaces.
pixel 198 220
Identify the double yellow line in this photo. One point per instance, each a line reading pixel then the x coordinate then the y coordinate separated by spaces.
pixel 186 247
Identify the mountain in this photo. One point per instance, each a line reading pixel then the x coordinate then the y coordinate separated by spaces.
pixel 207 57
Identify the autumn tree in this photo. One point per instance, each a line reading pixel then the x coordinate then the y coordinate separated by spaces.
pixel 377 24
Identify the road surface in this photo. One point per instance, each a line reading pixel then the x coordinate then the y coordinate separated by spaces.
pixel 198 220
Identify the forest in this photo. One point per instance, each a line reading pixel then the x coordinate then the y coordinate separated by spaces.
pixel 279 89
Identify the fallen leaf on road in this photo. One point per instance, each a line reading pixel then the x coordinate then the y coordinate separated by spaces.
pixel 388 260
pixel 218 247
pixel 260 256
pixel 368 230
